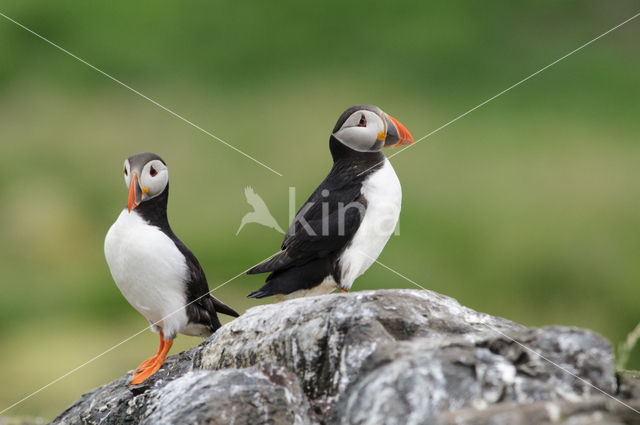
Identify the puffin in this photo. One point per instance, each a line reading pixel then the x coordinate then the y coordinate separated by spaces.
pixel 346 222
pixel 155 271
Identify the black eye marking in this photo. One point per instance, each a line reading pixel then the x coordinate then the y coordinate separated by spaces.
pixel 363 121
pixel 153 171
pixel 125 172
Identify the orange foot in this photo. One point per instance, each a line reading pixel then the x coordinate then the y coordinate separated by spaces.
pixel 344 291
pixel 151 366
pixel 151 360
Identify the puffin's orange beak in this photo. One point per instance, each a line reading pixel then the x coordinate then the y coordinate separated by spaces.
pixel 135 193
pixel 397 134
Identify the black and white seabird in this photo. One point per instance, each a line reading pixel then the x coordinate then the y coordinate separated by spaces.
pixel 154 270
pixel 346 222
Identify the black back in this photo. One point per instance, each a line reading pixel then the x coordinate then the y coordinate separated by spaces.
pixel 201 306
pixel 308 257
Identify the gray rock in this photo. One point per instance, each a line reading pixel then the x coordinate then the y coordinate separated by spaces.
pixel 375 357
pixel 595 411
pixel 266 394
pixel 118 403
pixel 324 340
pixel 629 384
pixel 263 394
pixel 415 381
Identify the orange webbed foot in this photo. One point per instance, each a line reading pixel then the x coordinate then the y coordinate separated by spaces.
pixel 151 366
pixel 141 375
pixel 145 364
pixel 343 291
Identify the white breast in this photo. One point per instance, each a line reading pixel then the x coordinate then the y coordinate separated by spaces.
pixel 149 270
pixel 384 198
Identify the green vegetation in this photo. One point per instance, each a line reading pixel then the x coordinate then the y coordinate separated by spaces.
pixel 527 208
pixel 626 347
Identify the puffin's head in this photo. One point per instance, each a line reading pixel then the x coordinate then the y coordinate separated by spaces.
pixel 146 175
pixel 366 128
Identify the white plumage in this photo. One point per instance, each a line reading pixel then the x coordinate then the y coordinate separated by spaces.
pixel 150 272
pixel 383 193
pixel 327 286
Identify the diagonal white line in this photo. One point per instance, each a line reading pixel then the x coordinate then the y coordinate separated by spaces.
pixel 515 341
pixel 124 341
pixel 140 94
pixel 506 90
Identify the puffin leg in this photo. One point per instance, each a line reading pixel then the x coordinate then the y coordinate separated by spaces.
pixel 343 291
pixel 150 360
pixel 141 374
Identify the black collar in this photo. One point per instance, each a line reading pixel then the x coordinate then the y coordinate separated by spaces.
pixel 154 211
pixel 351 163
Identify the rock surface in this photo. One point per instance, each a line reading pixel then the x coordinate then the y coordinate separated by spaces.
pixel 376 357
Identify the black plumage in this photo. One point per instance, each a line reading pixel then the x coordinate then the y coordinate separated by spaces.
pixel 308 257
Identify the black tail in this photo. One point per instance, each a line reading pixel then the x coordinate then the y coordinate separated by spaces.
pixel 306 276
pixel 205 311
pixel 260 293
pixel 220 307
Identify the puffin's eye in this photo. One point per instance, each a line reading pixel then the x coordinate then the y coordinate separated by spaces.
pixel 363 121
pixel 153 171
pixel 125 172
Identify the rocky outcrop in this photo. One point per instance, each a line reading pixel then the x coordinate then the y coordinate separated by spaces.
pixel 376 357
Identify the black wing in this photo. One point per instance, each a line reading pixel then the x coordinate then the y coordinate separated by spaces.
pixel 202 306
pixel 314 235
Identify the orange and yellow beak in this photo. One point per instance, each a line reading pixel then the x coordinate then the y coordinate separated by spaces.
pixel 135 193
pixel 397 134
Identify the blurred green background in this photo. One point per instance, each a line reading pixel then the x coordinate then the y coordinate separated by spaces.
pixel 528 208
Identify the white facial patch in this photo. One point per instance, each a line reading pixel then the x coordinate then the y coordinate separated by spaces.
pixel 153 179
pixel 127 173
pixel 361 130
